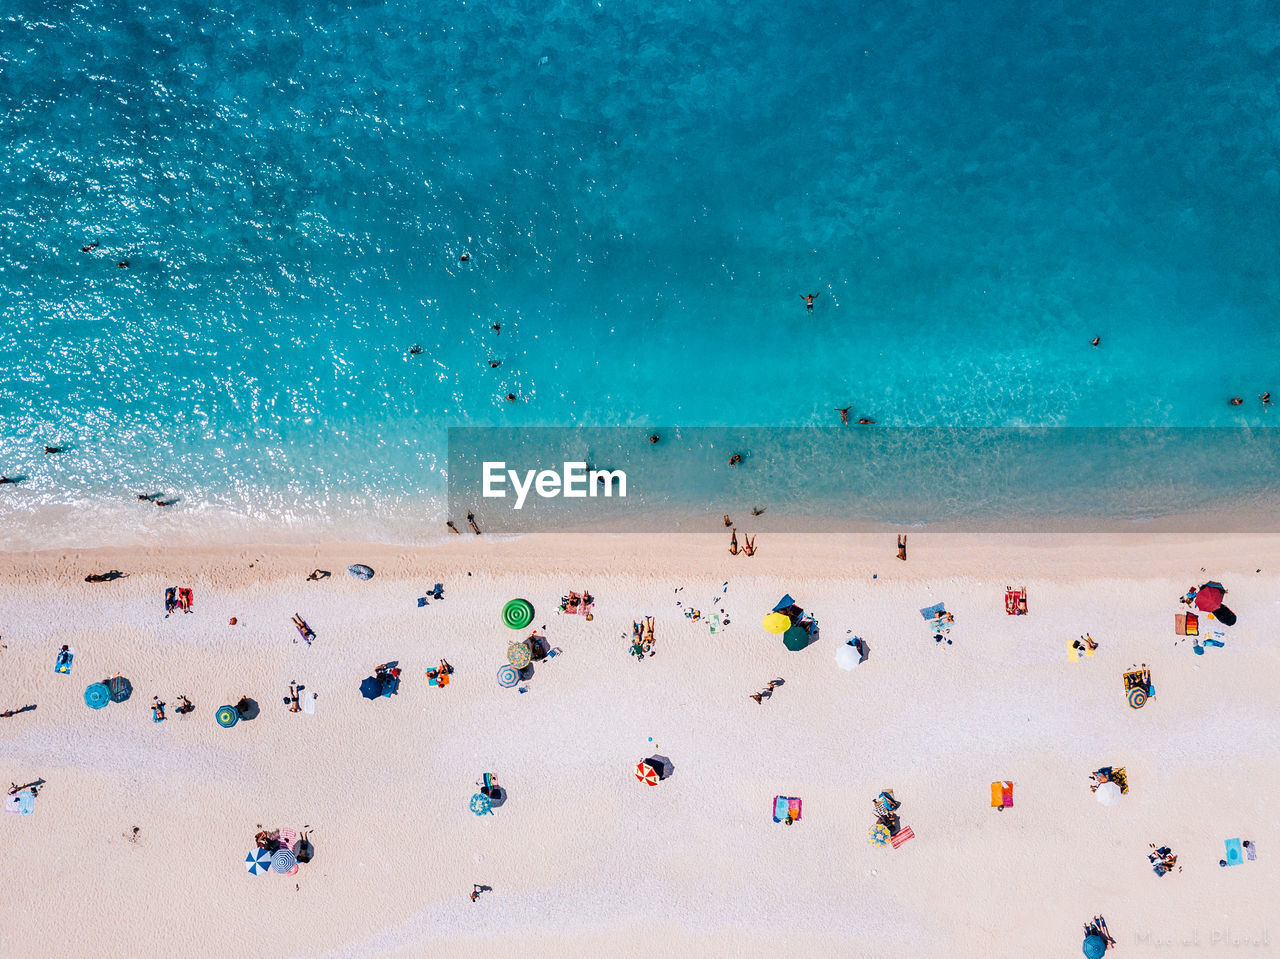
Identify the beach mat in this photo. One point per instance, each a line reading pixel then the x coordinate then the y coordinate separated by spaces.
pixel 309 703
pixel 902 836
pixel 1235 855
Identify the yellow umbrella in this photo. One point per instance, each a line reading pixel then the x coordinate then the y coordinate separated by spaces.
pixel 776 623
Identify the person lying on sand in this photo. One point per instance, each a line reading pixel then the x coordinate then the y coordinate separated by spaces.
pixel 733 544
pixel 727 521
pixel 157 709
pixel 292 698
pixel 750 548
pixel 902 548
pixel 185 706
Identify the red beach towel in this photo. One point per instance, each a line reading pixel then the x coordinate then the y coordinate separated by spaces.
pixel 903 835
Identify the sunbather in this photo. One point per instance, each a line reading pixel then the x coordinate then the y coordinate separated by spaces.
pixel 750 548
pixel 902 548
pixel 294 705
pixel 157 709
pixel 733 543
pixel 1088 641
pixel 303 628
pixel 185 706
pixel 445 668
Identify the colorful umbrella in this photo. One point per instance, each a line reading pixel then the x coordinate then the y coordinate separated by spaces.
pixel 518 655
pixel 508 676
pixel 776 623
pixel 646 774
pixel 227 716
pixel 518 613
pixel 1208 598
pixel 481 805
pixel 258 861
pixel 283 861
pixel 97 696
pixel 1137 697
pixel 121 689
pixel 878 835
pixel 1108 793
pixel 796 638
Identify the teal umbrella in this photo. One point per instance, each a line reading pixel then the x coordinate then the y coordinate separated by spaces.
pixel 97 696
pixel 481 805
pixel 1094 947
pixel 227 716
pixel 796 638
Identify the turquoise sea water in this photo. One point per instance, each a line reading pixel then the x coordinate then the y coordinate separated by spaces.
pixel 644 192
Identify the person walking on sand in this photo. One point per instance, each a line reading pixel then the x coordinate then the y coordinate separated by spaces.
pixel 757 510
pixel 808 301
pixel 902 547
pixel 758 697
pixel 733 543
pixel 844 414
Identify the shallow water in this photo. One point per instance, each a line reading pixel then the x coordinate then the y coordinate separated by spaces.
pixel 644 192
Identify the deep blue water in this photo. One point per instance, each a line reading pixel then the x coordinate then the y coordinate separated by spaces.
pixel 644 192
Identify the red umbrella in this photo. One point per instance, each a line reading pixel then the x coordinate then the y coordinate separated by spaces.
pixel 1208 599
pixel 646 774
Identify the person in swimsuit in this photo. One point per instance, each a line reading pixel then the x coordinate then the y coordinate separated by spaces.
pixel 902 548
pixel 92 246
pixel 750 548
pixel 844 414
pixel 735 459
pixel 866 422
pixel 415 350
pixel 456 531
pixel 808 301
pixel 1266 399
pixel 494 364
pixel 58 449
pixel 157 709
pixel 497 327
pixel 1095 341
pixel 511 397
pixel 733 543
pixel 727 521
pixel 1236 401
pixel 653 437
pixel 757 510
pixel 471 518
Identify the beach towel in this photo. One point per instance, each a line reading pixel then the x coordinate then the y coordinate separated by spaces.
pixel 714 623
pixel 63 663
pixel 1001 794
pixel 22 803
pixel 1235 854
pixel 309 703
pixel 1250 849
pixel 1192 625
pixel 1180 624
pixel 786 808
pixel 901 836
pixel 1120 778
pixel 931 612
pixel 794 807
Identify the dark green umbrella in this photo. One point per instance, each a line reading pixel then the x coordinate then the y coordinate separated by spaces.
pixel 796 638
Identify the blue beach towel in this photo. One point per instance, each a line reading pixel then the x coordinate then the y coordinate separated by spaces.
pixel 930 612
pixel 1235 855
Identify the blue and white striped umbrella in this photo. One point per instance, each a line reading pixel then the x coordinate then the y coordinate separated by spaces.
pixel 283 861
pixel 257 862
pixel 508 676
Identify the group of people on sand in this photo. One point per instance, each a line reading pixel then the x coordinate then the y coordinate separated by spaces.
pixel 750 544
pixel 642 638
pixel 157 708
pixel 767 692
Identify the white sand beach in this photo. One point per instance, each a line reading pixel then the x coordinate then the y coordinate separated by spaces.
pixel 584 860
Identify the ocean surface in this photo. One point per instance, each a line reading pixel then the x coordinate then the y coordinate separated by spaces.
pixel 642 193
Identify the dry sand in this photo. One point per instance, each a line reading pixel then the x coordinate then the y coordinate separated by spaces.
pixel 583 859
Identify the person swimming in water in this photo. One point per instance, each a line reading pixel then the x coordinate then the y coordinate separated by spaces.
pixel 1237 401
pixel 511 397
pixel 494 364
pixel 866 422
pixel 464 258
pixel 52 449
pixel 808 301
pixel 1266 399
pixel 653 437
pixel 1095 341
pixel 497 327
pixel 735 459
pixel 415 350
pixel 844 414
pixel 123 264
pixel 90 248
pixel 757 510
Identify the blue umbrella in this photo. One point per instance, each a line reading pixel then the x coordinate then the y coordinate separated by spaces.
pixel 97 696
pixel 371 687
pixel 258 861
pixel 481 805
pixel 508 676
pixel 1094 947
pixel 283 861
pixel 121 689
pixel 227 716
pixel 785 603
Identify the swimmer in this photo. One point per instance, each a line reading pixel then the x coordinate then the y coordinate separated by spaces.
pixel 494 364
pixel 147 497
pixel 808 301
pixel 735 459
pixel 511 397
pixel 5 479
pixel 497 327
pixel 91 247
pixel 653 437
pixel 123 264
pixel 1236 401
pixel 1266 399
pixel 58 449
pixel 465 258
pixel 844 414
pixel 866 422
pixel 1095 341
pixel 757 510
pixel 415 350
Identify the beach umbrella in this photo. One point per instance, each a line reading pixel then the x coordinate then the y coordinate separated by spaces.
pixel 508 676
pixel 371 687
pixel 785 603
pixel 796 638
pixel 1108 793
pixel 97 696
pixel 518 613
pixel 878 835
pixel 227 716
pixel 360 571
pixel 121 689
pixel 1208 598
pixel 258 861
pixel 481 805
pixel 1094 947
pixel 518 655
pixel 661 764
pixel 1137 697
pixel 847 656
pixel 647 774
pixel 283 861
pixel 776 623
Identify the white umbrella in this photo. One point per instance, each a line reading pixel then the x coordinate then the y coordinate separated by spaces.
pixel 847 656
pixel 1108 794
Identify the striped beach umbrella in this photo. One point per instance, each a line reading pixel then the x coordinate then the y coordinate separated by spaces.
pixel 878 835
pixel 283 861
pixel 480 805
pixel 120 689
pixel 508 676
pixel 1137 697
pixel 518 655
pixel 97 696
pixel 646 773
pixel 227 716
pixel 257 862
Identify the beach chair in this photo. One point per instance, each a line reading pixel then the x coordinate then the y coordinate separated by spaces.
pixel 1001 795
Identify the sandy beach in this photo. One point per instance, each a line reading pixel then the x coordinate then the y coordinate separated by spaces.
pixel 582 858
